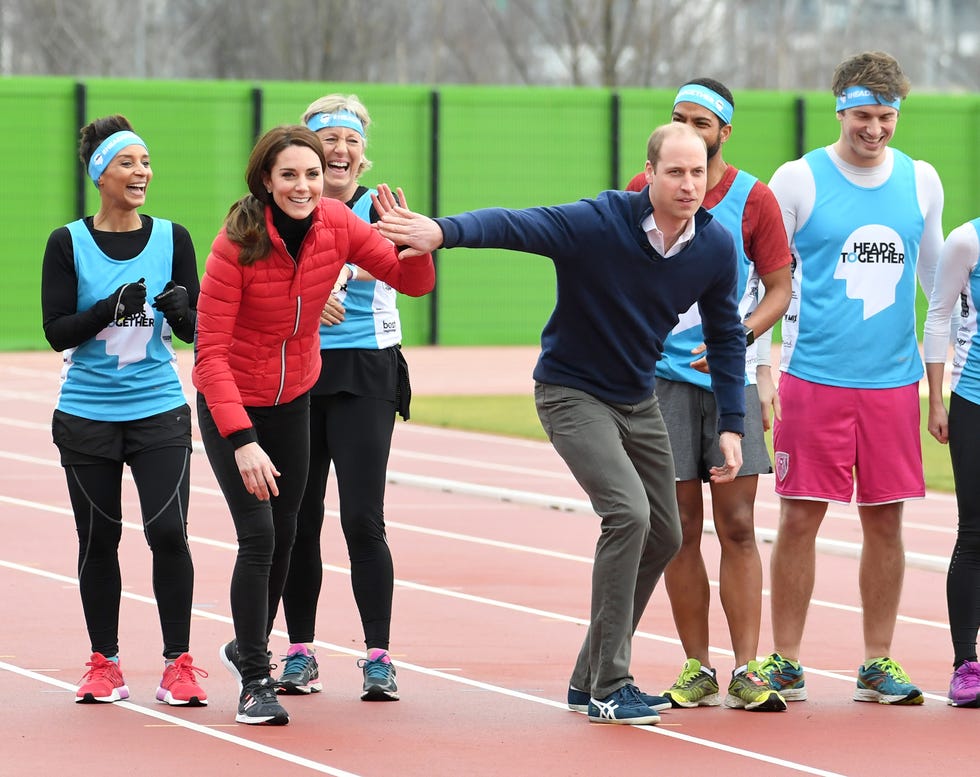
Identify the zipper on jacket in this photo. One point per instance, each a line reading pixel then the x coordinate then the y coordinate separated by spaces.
pixel 282 349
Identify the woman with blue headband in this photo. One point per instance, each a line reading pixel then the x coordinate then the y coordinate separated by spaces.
pixel 363 384
pixel 121 401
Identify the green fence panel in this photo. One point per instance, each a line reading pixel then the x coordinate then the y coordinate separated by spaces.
pixel 497 146
pixel 512 148
pixel 37 194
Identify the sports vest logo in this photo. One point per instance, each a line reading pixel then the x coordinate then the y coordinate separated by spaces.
pixel 782 465
pixel 872 261
pixel 129 338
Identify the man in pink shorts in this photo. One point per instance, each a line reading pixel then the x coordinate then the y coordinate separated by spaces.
pixel 863 220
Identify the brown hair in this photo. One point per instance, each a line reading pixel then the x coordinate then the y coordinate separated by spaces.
pixel 245 222
pixel 92 134
pixel 876 70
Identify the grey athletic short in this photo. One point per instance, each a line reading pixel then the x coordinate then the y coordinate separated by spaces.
pixel 692 424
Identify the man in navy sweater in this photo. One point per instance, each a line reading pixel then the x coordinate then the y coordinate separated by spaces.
pixel 627 264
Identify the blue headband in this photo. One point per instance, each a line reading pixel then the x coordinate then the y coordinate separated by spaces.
pixel 854 96
pixel 708 98
pixel 107 151
pixel 341 118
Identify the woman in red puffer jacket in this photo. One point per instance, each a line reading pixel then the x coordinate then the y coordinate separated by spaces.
pixel 271 268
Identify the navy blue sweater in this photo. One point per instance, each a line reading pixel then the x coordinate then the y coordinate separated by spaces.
pixel 617 298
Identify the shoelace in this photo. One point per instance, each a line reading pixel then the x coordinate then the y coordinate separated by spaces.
pixel 98 671
pixel 296 663
pixel 377 669
pixel 184 671
pixel 631 694
pixel 688 676
pixel 968 671
pixel 772 666
pixel 264 692
pixel 891 668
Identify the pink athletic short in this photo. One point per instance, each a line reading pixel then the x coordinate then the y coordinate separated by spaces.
pixel 829 436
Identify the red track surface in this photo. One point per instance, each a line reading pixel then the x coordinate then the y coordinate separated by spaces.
pixel 492 543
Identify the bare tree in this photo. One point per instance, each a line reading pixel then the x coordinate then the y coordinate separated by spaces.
pixel 772 44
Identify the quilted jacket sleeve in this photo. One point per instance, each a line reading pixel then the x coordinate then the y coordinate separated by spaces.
pixel 217 311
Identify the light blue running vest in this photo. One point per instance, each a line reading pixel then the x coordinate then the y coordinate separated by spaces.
pixel 371 319
pixel 675 364
pixel 128 370
pixel 852 320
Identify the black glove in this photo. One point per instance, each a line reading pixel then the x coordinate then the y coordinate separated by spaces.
pixel 128 300
pixel 173 302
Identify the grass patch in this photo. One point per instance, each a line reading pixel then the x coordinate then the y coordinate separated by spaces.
pixel 515 416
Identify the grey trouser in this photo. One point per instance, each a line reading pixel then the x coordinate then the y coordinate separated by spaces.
pixel 620 455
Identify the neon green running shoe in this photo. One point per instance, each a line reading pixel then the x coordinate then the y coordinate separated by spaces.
pixel 694 687
pixel 749 691
pixel 785 676
pixel 884 681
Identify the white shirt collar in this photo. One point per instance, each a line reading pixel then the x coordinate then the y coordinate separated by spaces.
pixel 656 237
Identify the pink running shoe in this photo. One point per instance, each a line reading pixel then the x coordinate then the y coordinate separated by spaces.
pixel 179 686
pixel 103 682
pixel 964 687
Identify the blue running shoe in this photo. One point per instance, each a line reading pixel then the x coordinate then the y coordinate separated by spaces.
pixel 624 706
pixel 884 681
pixel 379 677
pixel 784 676
pixel 301 674
pixel 578 701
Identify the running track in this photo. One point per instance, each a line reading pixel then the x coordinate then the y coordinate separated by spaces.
pixel 492 543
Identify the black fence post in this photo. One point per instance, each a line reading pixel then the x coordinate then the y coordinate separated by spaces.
pixel 81 174
pixel 257 99
pixel 800 116
pixel 434 107
pixel 615 128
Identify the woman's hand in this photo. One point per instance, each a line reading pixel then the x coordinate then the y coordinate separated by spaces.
pixel 258 472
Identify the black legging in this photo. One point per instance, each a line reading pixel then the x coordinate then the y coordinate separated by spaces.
pixel 266 529
pixel 355 433
pixel 163 481
pixel 963 578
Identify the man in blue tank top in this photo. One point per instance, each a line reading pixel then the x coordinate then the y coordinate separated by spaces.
pixel 863 221
pixel 748 209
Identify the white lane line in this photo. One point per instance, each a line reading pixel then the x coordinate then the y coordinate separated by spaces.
pixel 197 728
pixel 846 549
pixel 439 591
pixel 913 559
pixel 402 665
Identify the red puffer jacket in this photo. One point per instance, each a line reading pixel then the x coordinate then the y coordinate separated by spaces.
pixel 258 338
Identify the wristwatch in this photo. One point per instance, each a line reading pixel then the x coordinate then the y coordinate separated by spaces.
pixel 749 334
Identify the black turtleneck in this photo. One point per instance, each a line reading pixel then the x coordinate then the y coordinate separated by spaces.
pixel 291 230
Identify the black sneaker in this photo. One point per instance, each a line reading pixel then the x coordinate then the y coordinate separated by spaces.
pixel 259 705
pixel 228 653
